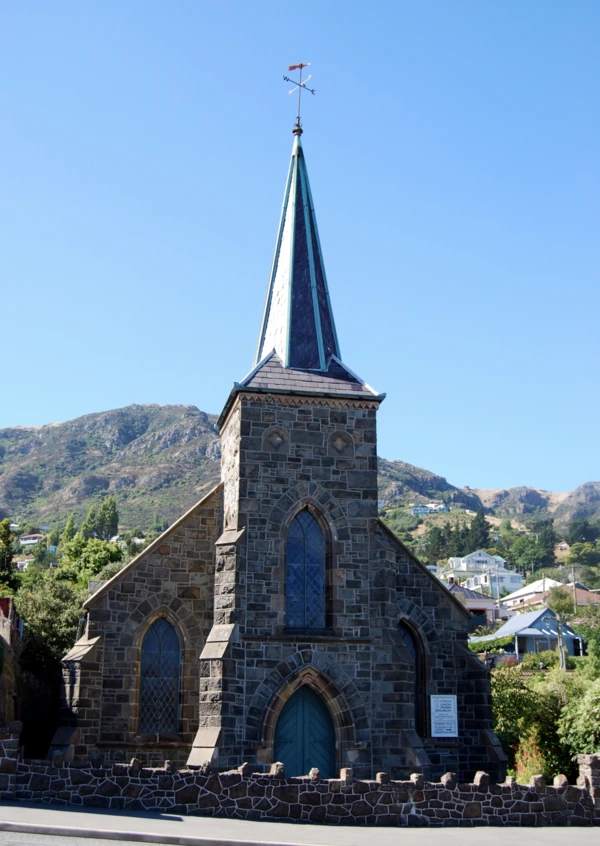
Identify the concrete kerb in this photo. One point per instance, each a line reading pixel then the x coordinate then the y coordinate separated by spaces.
pixel 133 836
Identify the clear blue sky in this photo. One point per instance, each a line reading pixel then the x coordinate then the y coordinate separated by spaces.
pixel 453 154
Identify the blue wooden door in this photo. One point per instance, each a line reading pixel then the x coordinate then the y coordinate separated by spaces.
pixel 304 735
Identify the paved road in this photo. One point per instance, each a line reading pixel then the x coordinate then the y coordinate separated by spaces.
pixel 23 824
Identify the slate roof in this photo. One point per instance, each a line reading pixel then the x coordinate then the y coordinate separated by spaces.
pixel 468 593
pixel 297 320
pixel 337 380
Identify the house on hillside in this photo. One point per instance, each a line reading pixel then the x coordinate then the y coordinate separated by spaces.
pixel 519 598
pixel 479 604
pixel 582 596
pixel 30 540
pixel 480 570
pixel 536 631
pixel 430 508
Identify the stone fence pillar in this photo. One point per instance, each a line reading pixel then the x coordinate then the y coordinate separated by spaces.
pixel 589 777
pixel 9 755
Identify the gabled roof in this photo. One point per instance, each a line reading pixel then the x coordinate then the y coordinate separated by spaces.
pixel 297 320
pixel 470 594
pixel 522 624
pixel 535 587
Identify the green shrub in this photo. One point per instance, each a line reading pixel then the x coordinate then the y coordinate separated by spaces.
pixel 580 724
pixel 532 660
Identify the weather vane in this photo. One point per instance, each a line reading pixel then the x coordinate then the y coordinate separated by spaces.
pixel 299 85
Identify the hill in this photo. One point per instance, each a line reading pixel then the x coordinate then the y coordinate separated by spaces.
pixel 159 460
pixel 525 502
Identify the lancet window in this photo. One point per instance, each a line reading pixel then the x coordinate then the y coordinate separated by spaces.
pixel 415 650
pixel 305 573
pixel 159 683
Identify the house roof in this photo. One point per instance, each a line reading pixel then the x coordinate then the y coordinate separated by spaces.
pixel 583 596
pixel 523 624
pixel 515 625
pixel 535 587
pixel 470 594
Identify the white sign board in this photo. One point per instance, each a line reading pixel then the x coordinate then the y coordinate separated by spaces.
pixel 444 718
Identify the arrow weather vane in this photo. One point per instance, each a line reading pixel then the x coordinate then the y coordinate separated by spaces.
pixel 300 86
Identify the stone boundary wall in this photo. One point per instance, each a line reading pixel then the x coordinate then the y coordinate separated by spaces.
pixel 258 796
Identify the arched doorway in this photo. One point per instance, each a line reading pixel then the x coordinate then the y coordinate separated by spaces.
pixel 305 736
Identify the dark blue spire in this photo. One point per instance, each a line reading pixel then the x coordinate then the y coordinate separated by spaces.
pixel 298 320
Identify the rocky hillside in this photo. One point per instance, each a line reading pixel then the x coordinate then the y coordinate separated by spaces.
pixel 527 502
pixel 159 460
pixel 401 483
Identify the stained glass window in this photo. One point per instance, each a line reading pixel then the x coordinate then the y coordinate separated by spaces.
pixel 416 653
pixel 305 574
pixel 159 683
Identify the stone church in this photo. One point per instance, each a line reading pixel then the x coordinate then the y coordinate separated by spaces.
pixel 279 619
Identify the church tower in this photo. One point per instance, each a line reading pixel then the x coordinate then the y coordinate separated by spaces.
pixel 328 635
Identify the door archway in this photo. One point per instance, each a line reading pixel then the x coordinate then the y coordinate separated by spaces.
pixel 305 735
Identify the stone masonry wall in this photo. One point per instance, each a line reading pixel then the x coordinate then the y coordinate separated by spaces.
pixel 343 801
pixel 174 579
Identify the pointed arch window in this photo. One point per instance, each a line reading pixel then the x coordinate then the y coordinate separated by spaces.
pixel 415 650
pixel 305 573
pixel 159 682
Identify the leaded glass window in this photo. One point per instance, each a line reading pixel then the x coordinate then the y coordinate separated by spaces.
pixel 159 683
pixel 305 574
pixel 415 651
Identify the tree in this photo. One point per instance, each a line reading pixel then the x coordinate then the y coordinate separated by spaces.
pixel 582 530
pixel 53 536
pixel 50 609
pixel 524 553
pixel 82 559
pixel 545 538
pixel 107 521
pixel 88 527
pixel 41 556
pixel 69 531
pixel 479 532
pixel 583 555
pixel 7 565
pixel 561 602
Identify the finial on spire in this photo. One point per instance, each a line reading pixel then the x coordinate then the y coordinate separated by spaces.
pixel 300 87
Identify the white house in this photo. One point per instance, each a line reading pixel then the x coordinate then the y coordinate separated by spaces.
pixel 30 540
pixel 525 595
pixel 481 571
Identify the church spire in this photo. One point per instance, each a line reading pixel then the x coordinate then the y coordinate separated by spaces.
pixel 298 321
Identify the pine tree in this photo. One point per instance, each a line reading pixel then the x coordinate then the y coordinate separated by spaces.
pixel 7 566
pixel 479 532
pixel 88 527
pixel 69 531
pixel 107 521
